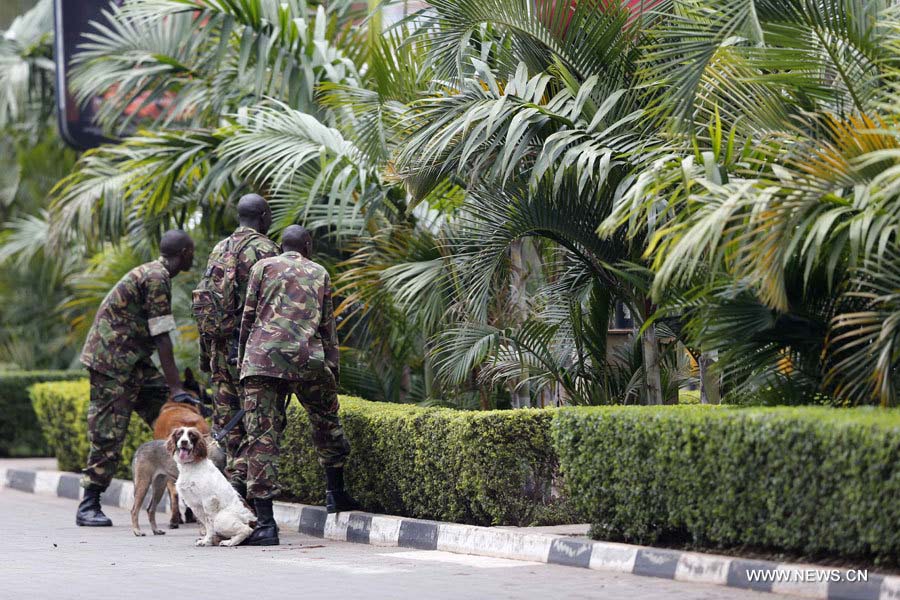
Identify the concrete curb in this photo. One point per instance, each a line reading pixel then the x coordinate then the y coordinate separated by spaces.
pixel 384 530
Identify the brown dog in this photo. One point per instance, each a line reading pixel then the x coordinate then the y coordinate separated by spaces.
pixel 172 416
pixel 180 414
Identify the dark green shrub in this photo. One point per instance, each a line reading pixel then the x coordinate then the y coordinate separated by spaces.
pixel 20 434
pixel 61 410
pixel 811 480
pixel 490 468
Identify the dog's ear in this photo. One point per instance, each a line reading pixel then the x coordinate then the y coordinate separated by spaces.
pixel 189 376
pixel 201 450
pixel 172 442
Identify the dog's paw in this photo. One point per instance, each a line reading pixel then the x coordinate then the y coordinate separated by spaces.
pixel 158 532
pixel 227 543
pixel 201 542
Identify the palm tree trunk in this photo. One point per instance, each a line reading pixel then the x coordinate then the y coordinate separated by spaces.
pixel 483 391
pixel 428 372
pixel 709 386
pixel 483 399
pixel 520 393
pixel 650 347
pixel 650 350
pixel 405 383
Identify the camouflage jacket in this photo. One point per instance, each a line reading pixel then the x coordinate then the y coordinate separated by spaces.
pixel 137 308
pixel 288 329
pixel 254 246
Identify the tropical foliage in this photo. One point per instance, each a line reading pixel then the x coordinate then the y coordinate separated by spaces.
pixel 491 180
pixel 780 222
pixel 32 159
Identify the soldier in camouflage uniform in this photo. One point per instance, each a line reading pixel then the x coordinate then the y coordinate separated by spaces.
pixel 289 345
pixel 249 244
pixel 134 318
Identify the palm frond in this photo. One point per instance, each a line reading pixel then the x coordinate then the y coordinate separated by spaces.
pixel 495 218
pixel 783 59
pixel 301 161
pixel 139 186
pixel 496 131
pixel 26 65
pixel 189 61
pixel 24 238
pixel 865 340
pixel 591 38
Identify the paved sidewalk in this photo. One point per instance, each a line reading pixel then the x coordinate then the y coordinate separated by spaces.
pixel 557 548
pixel 44 555
pixel 38 464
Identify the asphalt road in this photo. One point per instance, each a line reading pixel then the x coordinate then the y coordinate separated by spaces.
pixel 44 555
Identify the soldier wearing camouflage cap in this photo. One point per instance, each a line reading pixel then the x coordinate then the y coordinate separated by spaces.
pixel 288 344
pixel 134 318
pixel 229 266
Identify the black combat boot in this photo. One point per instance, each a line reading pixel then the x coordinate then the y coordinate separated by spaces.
pixel 266 532
pixel 89 512
pixel 336 498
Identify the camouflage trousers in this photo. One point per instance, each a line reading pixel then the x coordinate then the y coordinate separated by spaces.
pixel 226 403
pixel 265 401
pixel 113 399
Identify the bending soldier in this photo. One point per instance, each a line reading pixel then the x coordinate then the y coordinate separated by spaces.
pixel 134 318
pixel 288 345
pixel 227 273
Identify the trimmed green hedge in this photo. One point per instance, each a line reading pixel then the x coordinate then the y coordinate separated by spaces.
pixel 491 468
pixel 20 434
pixel 488 468
pixel 819 481
pixel 61 409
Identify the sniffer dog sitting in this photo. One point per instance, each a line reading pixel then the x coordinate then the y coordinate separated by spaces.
pixel 217 506
pixel 184 412
pixel 154 471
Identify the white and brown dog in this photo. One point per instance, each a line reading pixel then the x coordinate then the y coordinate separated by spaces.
pixel 201 486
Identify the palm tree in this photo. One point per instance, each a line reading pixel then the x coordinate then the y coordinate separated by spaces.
pixel 538 114
pixel 340 139
pixel 209 67
pixel 290 99
pixel 550 123
pixel 33 334
pixel 26 68
pixel 780 218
